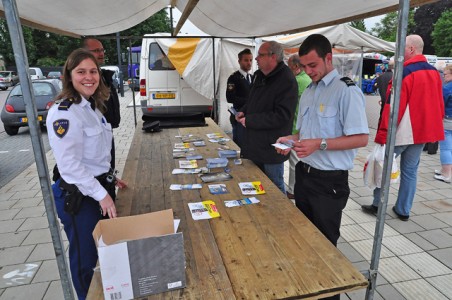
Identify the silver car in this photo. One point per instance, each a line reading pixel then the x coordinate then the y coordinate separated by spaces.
pixel 13 114
pixel 7 79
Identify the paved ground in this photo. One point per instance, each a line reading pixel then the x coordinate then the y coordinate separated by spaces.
pixel 416 255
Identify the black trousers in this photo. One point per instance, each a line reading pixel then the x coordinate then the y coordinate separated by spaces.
pixel 321 196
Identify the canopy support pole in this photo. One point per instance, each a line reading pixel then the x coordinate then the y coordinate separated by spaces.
pixel 133 85
pixel 121 75
pixel 215 101
pixel 390 142
pixel 20 55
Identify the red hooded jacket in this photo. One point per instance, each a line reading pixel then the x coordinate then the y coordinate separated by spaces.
pixel 421 109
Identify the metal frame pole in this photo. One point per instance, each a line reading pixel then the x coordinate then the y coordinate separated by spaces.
pixel 20 55
pixel 404 6
pixel 121 75
pixel 133 85
pixel 215 102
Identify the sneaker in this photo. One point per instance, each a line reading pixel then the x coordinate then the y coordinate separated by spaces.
pixel 401 217
pixel 369 209
pixel 442 178
pixel 437 172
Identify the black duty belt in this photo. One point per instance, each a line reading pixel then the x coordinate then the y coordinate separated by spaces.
pixel 320 173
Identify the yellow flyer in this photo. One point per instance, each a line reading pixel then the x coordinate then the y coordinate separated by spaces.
pixel 252 188
pixel 203 210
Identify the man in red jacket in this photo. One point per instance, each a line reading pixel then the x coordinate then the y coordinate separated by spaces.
pixel 419 121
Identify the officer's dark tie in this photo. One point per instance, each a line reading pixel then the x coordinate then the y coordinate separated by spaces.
pixel 93 103
pixel 248 78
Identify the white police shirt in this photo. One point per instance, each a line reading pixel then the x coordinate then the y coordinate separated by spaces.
pixel 81 142
pixel 330 109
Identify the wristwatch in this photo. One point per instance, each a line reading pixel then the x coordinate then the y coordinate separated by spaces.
pixel 323 145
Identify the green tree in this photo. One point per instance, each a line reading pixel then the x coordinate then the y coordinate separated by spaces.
pixel 442 34
pixel 387 28
pixel 424 17
pixel 358 24
pixel 6 48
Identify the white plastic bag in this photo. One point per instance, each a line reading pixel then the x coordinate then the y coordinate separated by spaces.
pixel 373 169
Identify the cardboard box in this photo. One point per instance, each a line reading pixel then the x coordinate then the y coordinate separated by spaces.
pixel 140 255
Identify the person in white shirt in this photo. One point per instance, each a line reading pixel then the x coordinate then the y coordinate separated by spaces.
pixel 80 138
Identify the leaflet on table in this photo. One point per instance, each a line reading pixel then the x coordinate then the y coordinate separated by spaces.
pixel 215 135
pixel 228 153
pixel 181 145
pixel 251 188
pixel 194 157
pixel 212 177
pixel 217 162
pixel 183 150
pixel 180 187
pixel 240 202
pixel 219 140
pixel 189 138
pixel 188 164
pixel 237 161
pixel 183 154
pixel 199 143
pixel 203 210
pixel 186 171
pixel 218 189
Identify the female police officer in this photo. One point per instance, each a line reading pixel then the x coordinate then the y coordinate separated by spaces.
pixel 80 139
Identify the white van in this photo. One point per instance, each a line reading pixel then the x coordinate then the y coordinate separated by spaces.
pixel 36 73
pixel 163 92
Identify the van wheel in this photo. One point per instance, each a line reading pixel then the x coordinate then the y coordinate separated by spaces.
pixel 11 130
pixel 4 88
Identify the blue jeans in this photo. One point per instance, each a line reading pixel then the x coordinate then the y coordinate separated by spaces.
pixel 276 174
pixel 410 155
pixel 445 148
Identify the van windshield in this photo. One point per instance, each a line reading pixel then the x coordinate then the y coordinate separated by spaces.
pixel 157 59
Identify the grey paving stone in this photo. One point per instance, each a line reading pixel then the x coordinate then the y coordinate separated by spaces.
pixel 418 289
pixel 23 195
pixel 442 205
pixel 437 237
pixel 34 223
pixel 25 187
pixel 4 196
pixel 360 294
pixel 8 214
pixel 47 272
pixel 365 266
pixel 12 239
pixel 428 222
pixel 446 217
pixel 420 208
pixel 18 274
pixel 30 212
pixel 425 264
pixel 388 292
pixel 28 202
pixel 32 291
pixel 38 236
pixel 42 252
pixel 10 225
pixel 448 230
pixel 354 232
pixel 55 291
pixel 7 204
pixel 420 241
pixel 442 284
pixel 15 255
pixel 350 252
pixel 404 227
pixel 429 195
pixel 443 255
pixel 395 270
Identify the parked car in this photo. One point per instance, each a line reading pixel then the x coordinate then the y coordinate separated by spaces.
pixel 36 73
pixel 55 75
pixel 7 79
pixel 13 114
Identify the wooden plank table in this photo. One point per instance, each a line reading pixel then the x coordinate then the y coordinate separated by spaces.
pixel 268 250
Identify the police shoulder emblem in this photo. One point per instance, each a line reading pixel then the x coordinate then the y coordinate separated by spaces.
pixel 61 127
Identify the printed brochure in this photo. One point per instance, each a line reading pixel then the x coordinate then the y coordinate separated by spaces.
pixel 188 164
pixel 241 202
pixel 251 188
pixel 218 189
pixel 203 210
pixel 180 187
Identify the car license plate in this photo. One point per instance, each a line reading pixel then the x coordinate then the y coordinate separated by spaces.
pixel 25 119
pixel 164 96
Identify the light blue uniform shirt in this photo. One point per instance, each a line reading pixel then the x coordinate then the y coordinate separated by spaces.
pixel 330 109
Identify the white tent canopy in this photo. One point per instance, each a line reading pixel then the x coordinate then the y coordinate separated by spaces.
pixel 342 37
pixel 216 18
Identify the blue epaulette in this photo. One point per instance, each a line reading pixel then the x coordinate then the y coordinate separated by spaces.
pixel 348 81
pixel 65 104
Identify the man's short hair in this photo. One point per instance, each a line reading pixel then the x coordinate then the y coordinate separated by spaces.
pixel 316 42
pixel 295 60
pixel 277 49
pixel 245 51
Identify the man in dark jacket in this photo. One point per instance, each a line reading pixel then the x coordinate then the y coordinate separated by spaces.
pixel 269 112
pixel 239 86
pixel 112 114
